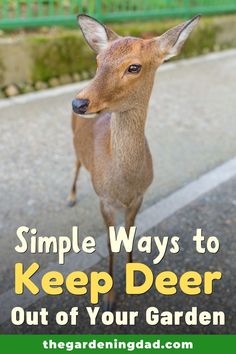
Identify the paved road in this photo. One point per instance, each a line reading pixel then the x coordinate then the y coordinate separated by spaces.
pixel 191 129
pixel 215 214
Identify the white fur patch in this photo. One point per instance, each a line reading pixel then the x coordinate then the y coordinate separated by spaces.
pixel 182 38
pixel 94 33
pixel 87 115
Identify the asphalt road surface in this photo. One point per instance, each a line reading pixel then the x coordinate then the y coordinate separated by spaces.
pixel 214 213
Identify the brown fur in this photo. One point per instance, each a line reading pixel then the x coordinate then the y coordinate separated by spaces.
pixel 113 146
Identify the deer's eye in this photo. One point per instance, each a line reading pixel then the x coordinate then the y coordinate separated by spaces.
pixel 134 68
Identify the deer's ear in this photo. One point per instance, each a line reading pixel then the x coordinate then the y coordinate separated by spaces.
pixel 96 34
pixel 171 42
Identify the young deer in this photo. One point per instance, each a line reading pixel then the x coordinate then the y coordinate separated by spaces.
pixel 109 117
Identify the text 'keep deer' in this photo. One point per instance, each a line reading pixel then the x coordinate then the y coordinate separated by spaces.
pixel 109 117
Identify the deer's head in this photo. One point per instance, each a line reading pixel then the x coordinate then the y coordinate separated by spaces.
pixel 125 66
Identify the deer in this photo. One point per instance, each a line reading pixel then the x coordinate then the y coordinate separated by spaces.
pixel 109 117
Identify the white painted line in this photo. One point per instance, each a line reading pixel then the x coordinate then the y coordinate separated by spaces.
pixel 184 196
pixel 35 96
pixel 145 221
pixel 199 59
pixel 57 91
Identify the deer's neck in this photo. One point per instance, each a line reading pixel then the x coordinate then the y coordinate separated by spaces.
pixel 128 147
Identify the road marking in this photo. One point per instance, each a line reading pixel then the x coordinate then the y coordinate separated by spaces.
pixel 35 96
pixel 72 88
pixel 168 206
pixel 200 59
pixel 146 220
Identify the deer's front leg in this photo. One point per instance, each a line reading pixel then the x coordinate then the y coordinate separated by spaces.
pixel 130 215
pixel 108 214
pixel 72 196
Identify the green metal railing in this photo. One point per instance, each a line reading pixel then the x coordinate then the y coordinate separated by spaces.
pixel 27 13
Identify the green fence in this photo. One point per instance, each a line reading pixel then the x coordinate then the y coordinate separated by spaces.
pixel 27 13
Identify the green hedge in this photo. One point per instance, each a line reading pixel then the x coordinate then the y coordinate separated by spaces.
pixel 57 52
pixel 60 55
pixel 68 53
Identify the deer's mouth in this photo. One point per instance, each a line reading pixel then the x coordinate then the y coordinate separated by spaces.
pixel 81 107
pixel 88 115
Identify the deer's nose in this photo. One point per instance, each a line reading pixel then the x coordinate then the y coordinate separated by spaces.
pixel 80 106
